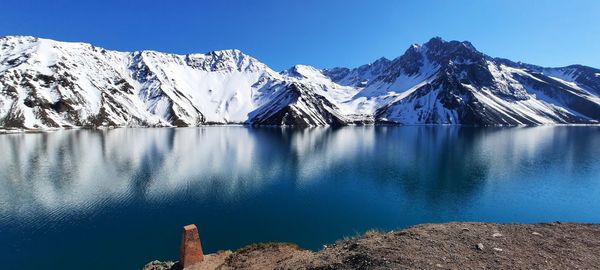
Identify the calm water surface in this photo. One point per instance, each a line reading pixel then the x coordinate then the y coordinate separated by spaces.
pixel 116 199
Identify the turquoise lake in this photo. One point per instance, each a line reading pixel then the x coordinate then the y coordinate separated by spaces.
pixel 117 199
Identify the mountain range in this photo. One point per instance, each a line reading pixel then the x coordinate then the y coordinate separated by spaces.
pixel 46 84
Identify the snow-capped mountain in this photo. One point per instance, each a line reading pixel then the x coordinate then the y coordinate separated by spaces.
pixel 468 87
pixel 51 84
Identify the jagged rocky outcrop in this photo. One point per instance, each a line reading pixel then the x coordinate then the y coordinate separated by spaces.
pixel 298 105
pixel 469 87
pixel 51 84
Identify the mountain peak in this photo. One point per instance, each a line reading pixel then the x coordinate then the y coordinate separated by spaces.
pixel 435 40
pixel 301 71
pixel 231 59
pixel 439 44
pixel 232 52
pixel 442 52
pixel 379 61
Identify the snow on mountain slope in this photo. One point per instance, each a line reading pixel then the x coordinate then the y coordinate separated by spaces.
pixel 474 89
pixel 321 84
pixel 219 87
pixel 51 84
pixel 399 78
pixel 54 84
pixel 299 106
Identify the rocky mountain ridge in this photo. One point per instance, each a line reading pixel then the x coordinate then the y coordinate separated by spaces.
pixel 50 84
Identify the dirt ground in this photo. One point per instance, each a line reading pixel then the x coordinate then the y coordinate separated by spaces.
pixel 430 246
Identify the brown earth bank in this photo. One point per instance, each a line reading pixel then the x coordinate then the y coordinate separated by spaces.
pixel 455 245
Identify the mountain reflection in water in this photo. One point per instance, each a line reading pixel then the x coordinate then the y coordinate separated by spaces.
pixel 310 186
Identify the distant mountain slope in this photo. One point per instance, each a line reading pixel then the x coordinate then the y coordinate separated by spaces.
pixel 51 84
pixel 469 87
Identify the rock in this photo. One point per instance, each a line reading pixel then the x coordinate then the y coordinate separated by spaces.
pixel 497 249
pixel 157 265
pixel 439 265
pixel 537 233
pixel 497 234
pixel 480 246
pixel 191 249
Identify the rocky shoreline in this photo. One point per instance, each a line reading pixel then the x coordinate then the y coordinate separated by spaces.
pixel 456 245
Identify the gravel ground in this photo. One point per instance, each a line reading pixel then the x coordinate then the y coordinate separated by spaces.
pixel 431 246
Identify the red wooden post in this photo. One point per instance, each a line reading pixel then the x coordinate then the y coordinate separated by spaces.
pixel 191 249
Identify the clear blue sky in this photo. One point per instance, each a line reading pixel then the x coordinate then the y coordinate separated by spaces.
pixel 319 32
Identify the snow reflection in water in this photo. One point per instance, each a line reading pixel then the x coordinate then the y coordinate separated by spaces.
pixel 309 186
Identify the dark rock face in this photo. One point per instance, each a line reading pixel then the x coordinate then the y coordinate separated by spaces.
pixel 298 106
pixel 590 77
pixel 360 76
